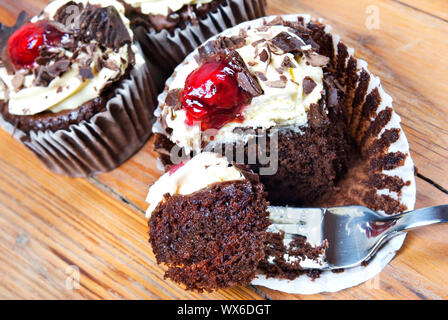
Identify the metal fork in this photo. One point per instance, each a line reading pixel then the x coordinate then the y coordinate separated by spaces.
pixel 354 233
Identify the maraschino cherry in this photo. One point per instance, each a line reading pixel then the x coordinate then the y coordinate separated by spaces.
pixel 212 96
pixel 25 43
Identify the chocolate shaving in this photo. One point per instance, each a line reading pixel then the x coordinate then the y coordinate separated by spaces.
pixel 280 83
pixel 111 64
pixel 17 81
pixel 86 73
pixel 103 25
pixel 308 85
pixel 256 43
pixel 173 98
pixel 261 75
pixel 45 74
pixel 57 68
pixel 284 41
pixel 316 60
pixel 264 55
pixel 45 56
pixel 287 63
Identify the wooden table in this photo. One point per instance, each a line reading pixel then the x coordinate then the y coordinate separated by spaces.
pixel 49 223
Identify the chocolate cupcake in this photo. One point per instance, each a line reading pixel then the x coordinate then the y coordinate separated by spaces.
pixel 209 223
pixel 287 88
pixel 169 30
pixel 74 87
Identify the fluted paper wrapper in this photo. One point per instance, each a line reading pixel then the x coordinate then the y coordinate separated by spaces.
pixel 103 142
pixel 167 50
pixel 390 186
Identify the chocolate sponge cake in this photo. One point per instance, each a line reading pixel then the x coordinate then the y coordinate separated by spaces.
pixel 209 233
pixel 209 224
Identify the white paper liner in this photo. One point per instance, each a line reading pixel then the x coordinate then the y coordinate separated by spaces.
pixel 330 281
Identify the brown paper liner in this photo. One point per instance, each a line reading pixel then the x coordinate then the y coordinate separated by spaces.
pixel 167 50
pixel 106 140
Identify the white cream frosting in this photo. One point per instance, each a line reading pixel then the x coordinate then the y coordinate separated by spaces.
pixel 277 107
pixel 201 171
pixel 69 91
pixel 162 6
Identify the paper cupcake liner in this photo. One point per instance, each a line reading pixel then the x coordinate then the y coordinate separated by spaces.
pixel 167 50
pixel 103 142
pixel 376 128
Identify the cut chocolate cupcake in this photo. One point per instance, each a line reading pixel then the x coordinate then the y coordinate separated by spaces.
pixel 291 81
pixel 76 91
pixel 208 222
pixel 169 30
pixel 282 97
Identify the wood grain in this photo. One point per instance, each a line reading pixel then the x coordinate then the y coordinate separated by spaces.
pixel 49 222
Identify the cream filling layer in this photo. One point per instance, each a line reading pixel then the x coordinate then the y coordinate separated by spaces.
pixel 277 107
pixel 162 6
pixel 200 172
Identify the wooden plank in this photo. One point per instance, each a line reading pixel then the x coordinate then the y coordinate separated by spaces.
pixel 71 221
pixel 48 223
pixel 436 8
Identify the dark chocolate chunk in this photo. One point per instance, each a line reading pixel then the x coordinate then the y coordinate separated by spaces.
pixel 86 73
pixel 280 83
pixel 103 25
pixel 308 85
pixel 58 67
pixel 261 75
pixel 284 41
pixel 173 98
pixel 45 74
pixel 264 55
pixel 17 81
pixel 317 60
pixel 287 63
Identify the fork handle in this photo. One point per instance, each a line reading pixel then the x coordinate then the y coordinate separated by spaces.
pixel 417 218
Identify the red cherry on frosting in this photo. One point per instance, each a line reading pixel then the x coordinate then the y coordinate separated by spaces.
pixel 25 43
pixel 212 96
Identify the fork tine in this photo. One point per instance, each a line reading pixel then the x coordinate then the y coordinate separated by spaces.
pixel 306 222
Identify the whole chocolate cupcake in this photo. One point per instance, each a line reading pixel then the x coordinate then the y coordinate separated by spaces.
pixel 169 30
pixel 74 87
